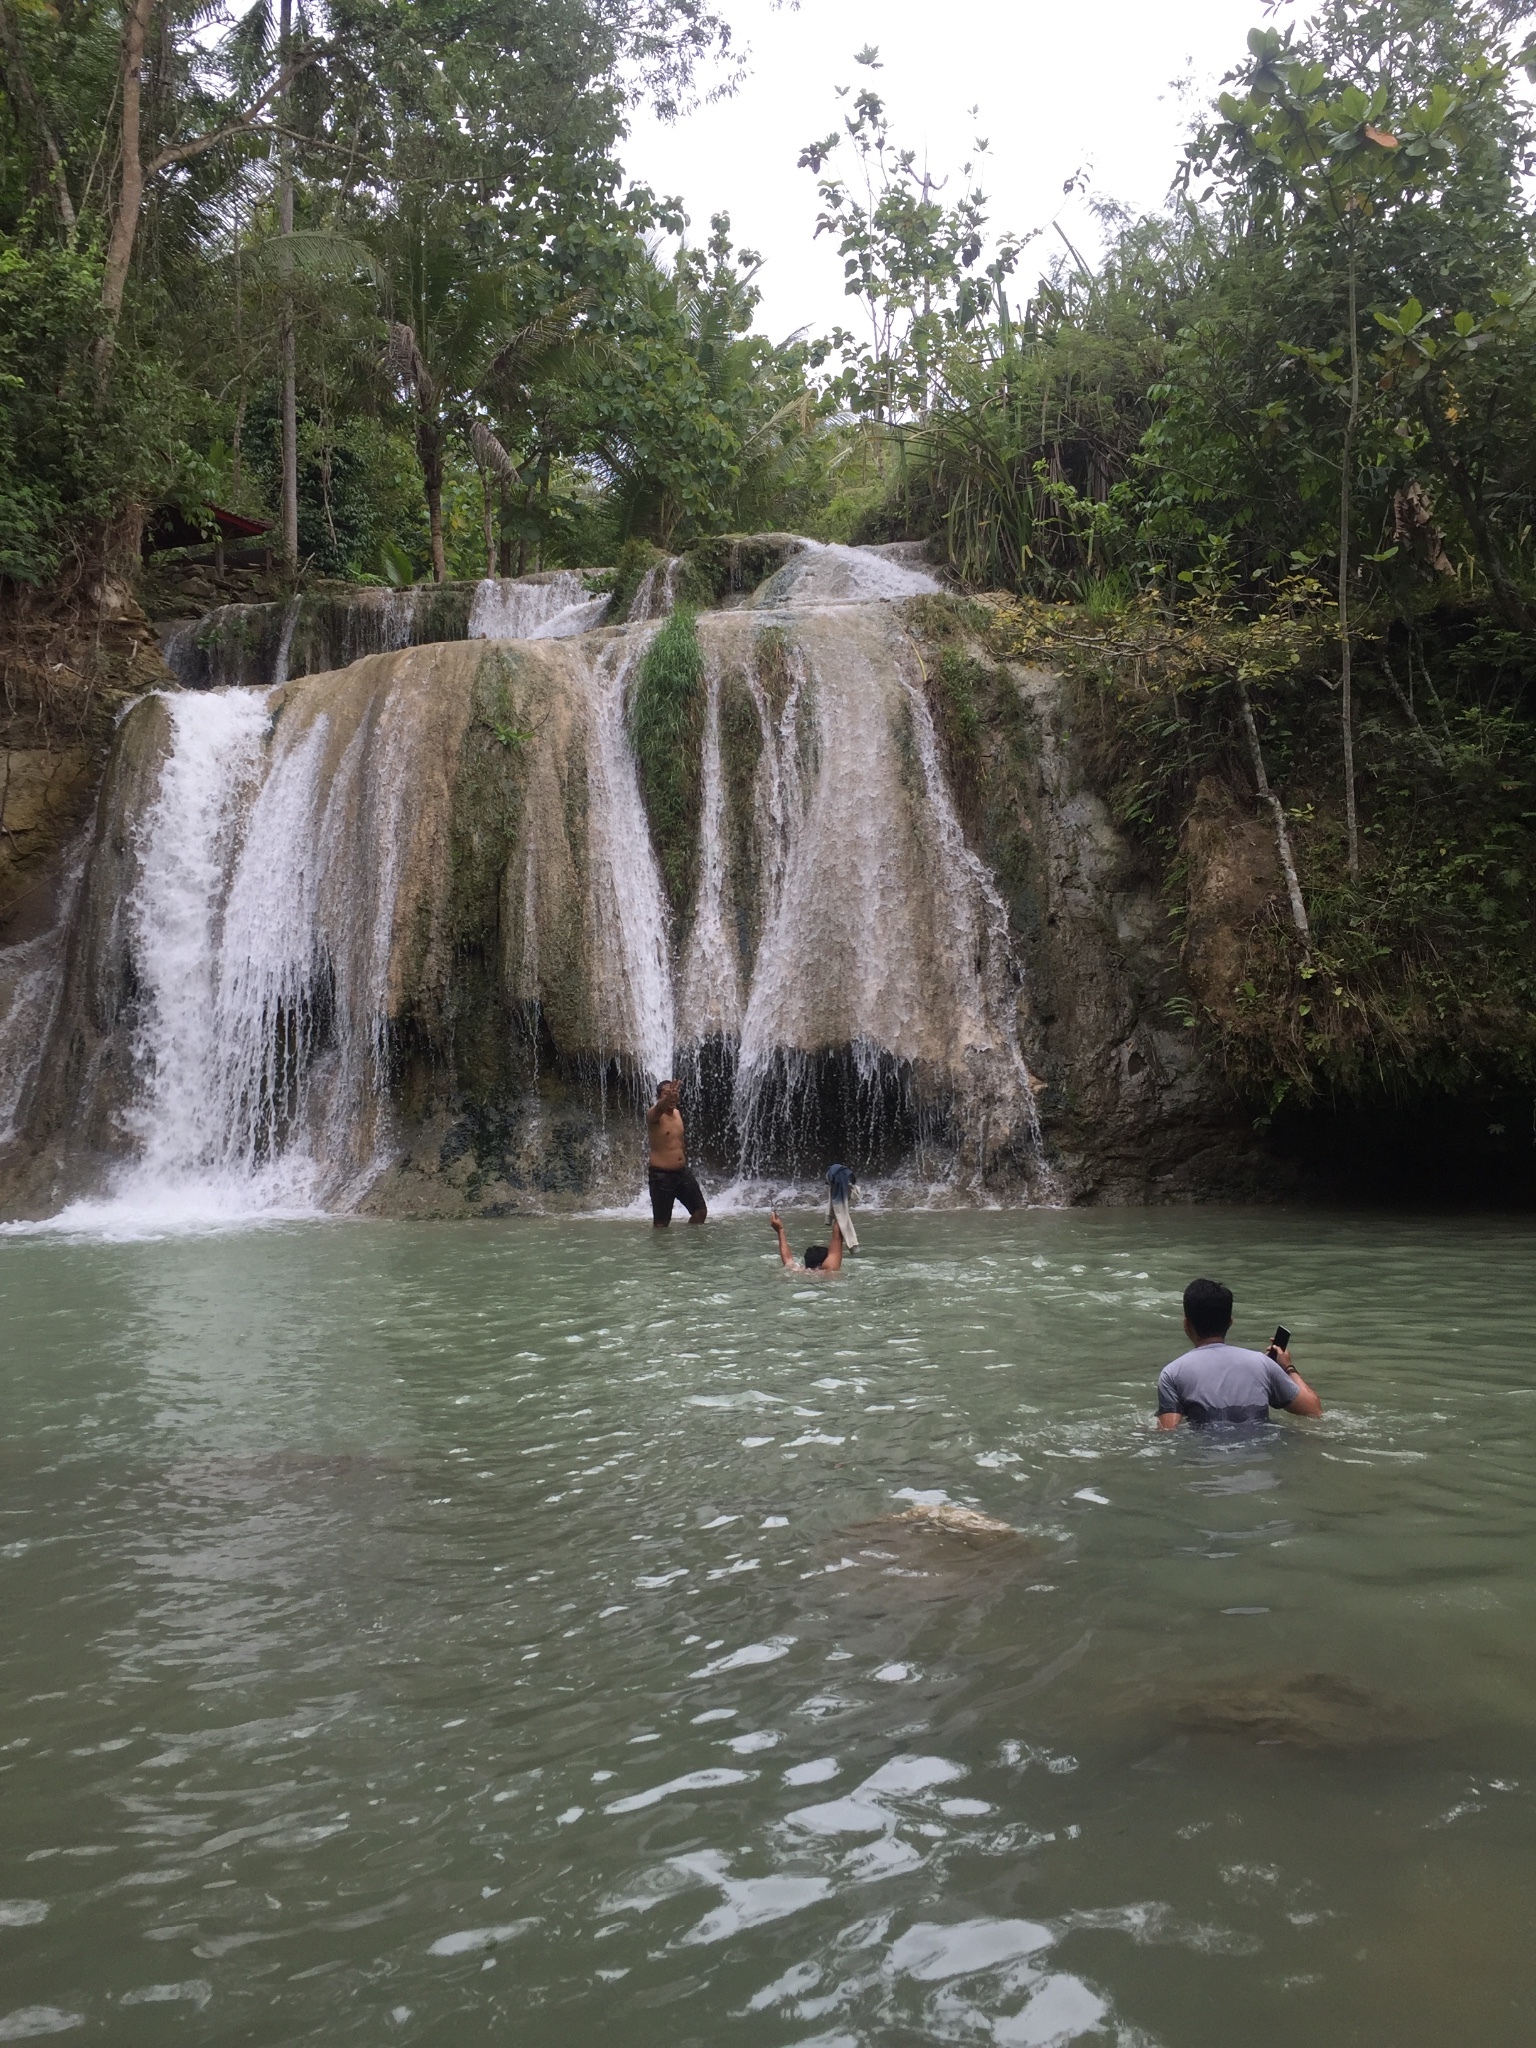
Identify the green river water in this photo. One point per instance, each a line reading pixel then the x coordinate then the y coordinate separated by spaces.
pixel 496 1633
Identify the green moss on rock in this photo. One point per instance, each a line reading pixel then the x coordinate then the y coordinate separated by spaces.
pixel 732 565
pixel 636 559
pixel 741 750
pixel 666 724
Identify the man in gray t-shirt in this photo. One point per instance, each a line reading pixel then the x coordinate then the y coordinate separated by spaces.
pixel 1218 1381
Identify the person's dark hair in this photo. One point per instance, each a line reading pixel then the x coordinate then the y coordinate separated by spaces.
pixel 816 1255
pixel 1208 1308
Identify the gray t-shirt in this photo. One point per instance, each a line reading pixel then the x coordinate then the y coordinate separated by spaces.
pixel 1221 1383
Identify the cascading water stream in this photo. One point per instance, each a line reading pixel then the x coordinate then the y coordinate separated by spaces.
pixel 556 606
pixel 285 640
pixel 709 987
pixel 628 903
pixel 656 593
pixel 199 1150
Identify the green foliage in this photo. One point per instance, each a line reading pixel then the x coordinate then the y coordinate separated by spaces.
pixel 1422 972
pixel 70 460
pixel 666 724
pixel 454 180
pixel 908 257
pixel 359 491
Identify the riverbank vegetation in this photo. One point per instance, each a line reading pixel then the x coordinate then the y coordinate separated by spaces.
pixel 1261 474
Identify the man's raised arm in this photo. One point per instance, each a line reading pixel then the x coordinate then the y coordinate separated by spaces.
pixel 778 1229
pixel 833 1262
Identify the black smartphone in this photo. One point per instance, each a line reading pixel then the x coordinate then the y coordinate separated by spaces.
pixel 1282 1339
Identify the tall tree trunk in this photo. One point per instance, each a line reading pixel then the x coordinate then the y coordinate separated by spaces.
pixel 1277 811
pixel 19 80
pixel 1346 469
pixel 430 446
pixel 130 186
pixel 289 343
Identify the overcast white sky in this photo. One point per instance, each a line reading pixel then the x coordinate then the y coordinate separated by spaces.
pixel 1110 84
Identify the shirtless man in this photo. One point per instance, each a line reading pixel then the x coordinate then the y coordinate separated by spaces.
pixel 819 1258
pixel 670 1177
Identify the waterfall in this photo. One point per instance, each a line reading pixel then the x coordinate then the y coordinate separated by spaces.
pixel 441 855
pixel 281 866
pixel 882 934
pixel 553 606
pixel 656 592
pixel 197 1154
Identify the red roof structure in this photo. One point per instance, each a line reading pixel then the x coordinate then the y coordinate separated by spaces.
pixel 170 527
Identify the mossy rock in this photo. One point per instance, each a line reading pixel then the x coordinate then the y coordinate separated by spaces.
pixel 732 566
pixel 741 751
pixel 636 559
pixel 666 725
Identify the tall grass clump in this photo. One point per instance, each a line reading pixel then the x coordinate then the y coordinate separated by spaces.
pixel 666 725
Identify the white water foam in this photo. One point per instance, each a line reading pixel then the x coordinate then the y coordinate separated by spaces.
pixel 828 573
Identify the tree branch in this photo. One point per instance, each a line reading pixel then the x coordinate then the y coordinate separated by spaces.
pixel 1277 812
pixel 19 81
pixel 247 124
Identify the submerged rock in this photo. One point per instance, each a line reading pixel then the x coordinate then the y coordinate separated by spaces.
pixel 934 1542
pixel 943 1518
pixel 1317 1710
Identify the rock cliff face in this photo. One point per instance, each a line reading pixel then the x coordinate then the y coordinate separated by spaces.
pixel 1130 1106
pixel 64 681
pixel 396 936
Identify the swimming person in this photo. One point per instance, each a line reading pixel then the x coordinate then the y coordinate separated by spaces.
pixel 671 1179
pixel 1217 1381
pixel 819 1258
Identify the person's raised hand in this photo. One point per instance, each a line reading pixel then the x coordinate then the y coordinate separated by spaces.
pixel 773 1220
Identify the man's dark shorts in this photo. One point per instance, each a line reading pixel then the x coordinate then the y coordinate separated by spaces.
pixel 671 1184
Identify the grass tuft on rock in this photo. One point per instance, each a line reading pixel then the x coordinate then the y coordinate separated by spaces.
pixel 666 727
